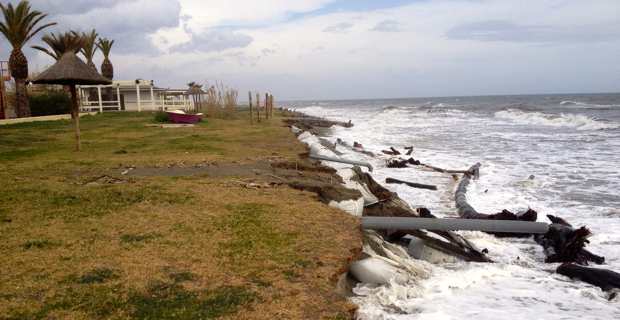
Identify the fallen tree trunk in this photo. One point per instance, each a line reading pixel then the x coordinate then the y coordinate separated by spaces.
pixel 356 147
pixel 444 170
pixel 410 184
pixel 402 163
pixel 409 150
pixel 390 204
pixel 391 152
pixel 604 279
pixel 563 243
pixel 466 211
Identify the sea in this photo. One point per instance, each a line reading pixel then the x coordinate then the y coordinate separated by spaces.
pixel 557 154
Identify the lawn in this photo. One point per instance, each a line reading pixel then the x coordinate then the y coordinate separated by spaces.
pixel 81 240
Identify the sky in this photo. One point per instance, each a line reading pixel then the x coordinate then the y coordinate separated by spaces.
pixel 347 49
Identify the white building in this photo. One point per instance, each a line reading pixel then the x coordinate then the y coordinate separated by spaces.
pixel 132 95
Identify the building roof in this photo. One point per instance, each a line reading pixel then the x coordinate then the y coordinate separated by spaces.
pixel 70 70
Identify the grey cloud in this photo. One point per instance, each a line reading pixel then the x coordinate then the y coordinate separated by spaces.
pixel 215 40
pixel 500 30
pixel 55 7
pixel 387 26
pixel 342 27
pixel 129 23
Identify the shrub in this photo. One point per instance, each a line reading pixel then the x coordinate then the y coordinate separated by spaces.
pixel 161 117
pixel 50 103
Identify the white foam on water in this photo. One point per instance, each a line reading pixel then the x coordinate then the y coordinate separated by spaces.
pixel 560 164
pixel 578 121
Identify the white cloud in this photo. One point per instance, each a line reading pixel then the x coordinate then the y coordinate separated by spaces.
pixel 443 47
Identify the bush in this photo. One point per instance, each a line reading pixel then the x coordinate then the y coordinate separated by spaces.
pixel 50 103
pixel 161 117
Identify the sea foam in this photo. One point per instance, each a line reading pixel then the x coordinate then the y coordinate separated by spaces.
pixel 578 121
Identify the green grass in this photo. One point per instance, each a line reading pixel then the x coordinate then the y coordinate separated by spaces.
pixel 59 200
pixel 39 244
pixel 172 301
pixel 97 275
pixel 253 236
pixel 77 247
pixel 133 239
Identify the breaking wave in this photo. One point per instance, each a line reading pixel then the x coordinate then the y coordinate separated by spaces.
pixel 578 121
pixel 570 103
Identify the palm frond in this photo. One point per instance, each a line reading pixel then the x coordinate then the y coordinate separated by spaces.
pixel 90 45
pixel 21 23
pixel 105 45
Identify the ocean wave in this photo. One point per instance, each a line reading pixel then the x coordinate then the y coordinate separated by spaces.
pixel 587 105
pixel 578 121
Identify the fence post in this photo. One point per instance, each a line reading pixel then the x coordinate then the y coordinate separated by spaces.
pixel 118 96
pixel 138 96
pixel 99 96
pixel 251 111
pixel 152 97
pixel 258 107
pixel 271 105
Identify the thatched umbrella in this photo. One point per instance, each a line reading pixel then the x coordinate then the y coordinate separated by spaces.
pixel 70 71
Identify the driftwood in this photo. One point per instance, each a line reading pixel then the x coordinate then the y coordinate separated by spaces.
pixel 390 204
pixel 310 123
pixel 563 243
pixel 410 184
pixel 466 211
pixel 356 147
pixel 409 150
pixel 402 163
pixel 605 279
pixel 444 170
pixel 391 152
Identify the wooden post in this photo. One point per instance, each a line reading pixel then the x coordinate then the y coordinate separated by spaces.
pixel 100 99
pixel 251 111
pixel 138 95
pixel 75 114
pixel 266 105
pixel 152 97
pixel 118 96
pixel 271 104
pixel 258 106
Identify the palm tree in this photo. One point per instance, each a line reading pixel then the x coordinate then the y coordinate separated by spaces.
pixel 90 47
pixel 58 43
pixel 20 24
pixel 107 69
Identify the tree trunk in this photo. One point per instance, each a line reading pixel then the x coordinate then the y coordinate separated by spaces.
pixel 604 279
pixel 22 105
pixel 75 115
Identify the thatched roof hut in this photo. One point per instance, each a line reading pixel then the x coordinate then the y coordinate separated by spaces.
pixel 70 70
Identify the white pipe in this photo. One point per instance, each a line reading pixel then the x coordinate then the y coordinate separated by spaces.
pixel 506 226
pixel 356 163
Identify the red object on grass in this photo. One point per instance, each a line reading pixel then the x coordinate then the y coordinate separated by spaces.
pixel 176 117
